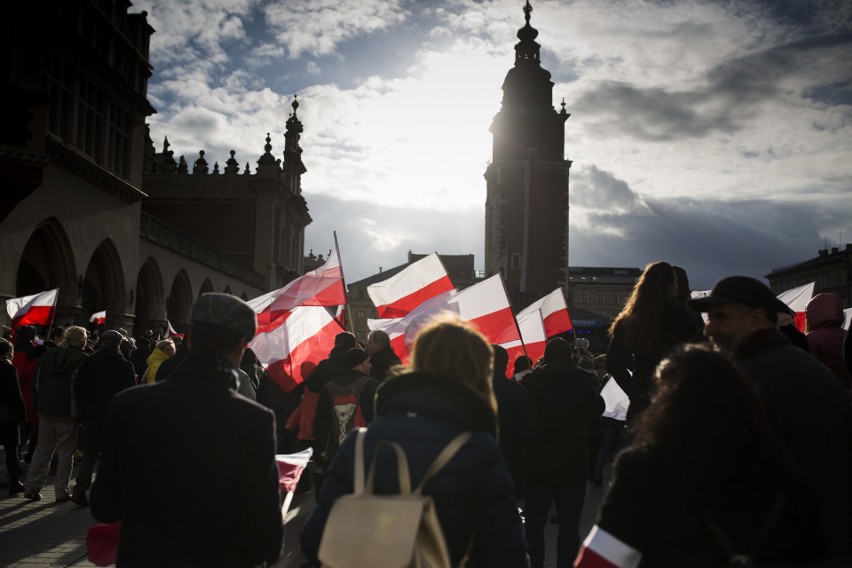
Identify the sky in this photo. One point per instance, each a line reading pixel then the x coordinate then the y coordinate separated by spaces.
pixel 715 135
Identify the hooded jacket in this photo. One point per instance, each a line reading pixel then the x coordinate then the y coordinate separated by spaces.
pixel 155 359
pixel 54 383
pixel 473 494
pixel 824 315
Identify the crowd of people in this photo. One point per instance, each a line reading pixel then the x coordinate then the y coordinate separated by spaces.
pixel 736 447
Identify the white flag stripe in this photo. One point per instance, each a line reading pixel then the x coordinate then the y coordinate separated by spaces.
pixel 408 281
pixel 479 299
pixel 797 298
pixel 549 304
pixel 612 549
pixel 280 342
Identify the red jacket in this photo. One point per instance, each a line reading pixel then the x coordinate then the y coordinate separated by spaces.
pixel 26 373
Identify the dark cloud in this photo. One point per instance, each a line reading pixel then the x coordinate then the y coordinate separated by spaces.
pixel 709 238
pixel 733 92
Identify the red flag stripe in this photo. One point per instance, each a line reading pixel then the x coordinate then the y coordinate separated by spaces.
pixel 557 322
pixel 399 308
pixel 36 315
pixel 604 550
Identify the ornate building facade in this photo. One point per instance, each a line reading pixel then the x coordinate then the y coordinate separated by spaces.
pixel 831 270
pixel 90 208
pixel 526 207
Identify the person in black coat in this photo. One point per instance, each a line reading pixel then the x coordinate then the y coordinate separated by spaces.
pixel 446 391
pixel 382 357
pixel 568 406
pixel 194 424
pixel 518 423
pixel 100 377
pixel 703 481
pixel 806 404
pixel 12 413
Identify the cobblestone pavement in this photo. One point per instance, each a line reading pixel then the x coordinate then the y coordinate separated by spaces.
pixel 47 533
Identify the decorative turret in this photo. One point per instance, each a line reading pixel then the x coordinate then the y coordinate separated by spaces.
pixel 527 88
pixel 200 166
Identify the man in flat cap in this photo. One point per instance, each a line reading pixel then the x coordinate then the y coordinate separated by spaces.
pixel 188 465
pixel 806 404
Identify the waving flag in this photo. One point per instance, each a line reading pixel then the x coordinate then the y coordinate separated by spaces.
pixel 37 309
pixel 603 550
pixel 484 305
pixel 403 292
pixel 301 338
pixel 797 300
pixel 290 469
pixel 554 313
pixel 531 326
pixel 321 287
pixel 98 318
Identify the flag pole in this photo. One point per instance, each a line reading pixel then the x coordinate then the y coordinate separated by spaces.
pixel 514 318
pixel 345 293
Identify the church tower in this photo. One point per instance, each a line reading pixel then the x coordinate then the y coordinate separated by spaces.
pixel 526 206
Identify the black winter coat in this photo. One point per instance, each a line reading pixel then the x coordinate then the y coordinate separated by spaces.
pixel 809 414
pixel 568 407
pixel 99 378
pixel 11 398
pixel 188 467
pixel 519 427
pixel 473 494
pixel 381 361
pixel 53 390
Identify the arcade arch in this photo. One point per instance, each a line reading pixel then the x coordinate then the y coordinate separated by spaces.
pixel 47 262
pixel 180 301
pixel 102 287
pixel 150 297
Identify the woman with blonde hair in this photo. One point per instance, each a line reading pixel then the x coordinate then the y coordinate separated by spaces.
pixel 649 326
pixel 162 351
pixel 444 391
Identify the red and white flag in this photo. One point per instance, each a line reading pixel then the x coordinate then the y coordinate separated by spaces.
pixel 484 305
pixel 301 338
pixel 604 550
pixel 554 313
pixel 531 326
pixel 321 287
pixel 797 300
pixel 290 469
pixel 403 292
pixel 98 318
pixel 37 309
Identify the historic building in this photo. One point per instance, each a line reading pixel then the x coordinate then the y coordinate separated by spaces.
pixel 88 206
pixel 459 268
pixel 831 270
pixel 526 207
pixel 595 295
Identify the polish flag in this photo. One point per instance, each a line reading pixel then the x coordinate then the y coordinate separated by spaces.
pixel 290 469
pixel 304 334
pixel 603 550
pixel 403 292
pixel 98 318
pixel 37 309
pixel 797 300
pixel 554 312
pixel 321 287
pixel 484 305
pixel 531 326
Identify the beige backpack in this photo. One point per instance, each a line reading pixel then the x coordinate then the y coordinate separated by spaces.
pixel 365 530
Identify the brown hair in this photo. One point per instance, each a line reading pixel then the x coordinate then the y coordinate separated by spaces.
pixel 449 347
pixel 640 321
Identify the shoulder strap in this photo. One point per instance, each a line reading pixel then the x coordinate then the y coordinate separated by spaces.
pixel 443 458
pixel 359 461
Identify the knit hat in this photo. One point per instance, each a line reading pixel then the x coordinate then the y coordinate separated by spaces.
pixel 112 337
pixel 354 357
pixel 225 311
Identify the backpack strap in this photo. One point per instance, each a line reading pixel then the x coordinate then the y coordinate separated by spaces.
pixel 443 458
pixel 402 471
pixel 359 461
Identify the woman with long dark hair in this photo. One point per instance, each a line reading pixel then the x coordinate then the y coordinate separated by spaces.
pixel 703 481
pixel 649 326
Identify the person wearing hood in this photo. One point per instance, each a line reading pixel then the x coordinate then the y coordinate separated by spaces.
pixel 824 316
pixel 444 392
pixel 162 351
pixel 53 393
pixel 568 407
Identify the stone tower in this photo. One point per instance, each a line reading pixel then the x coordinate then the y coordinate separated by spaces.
pixel 526 206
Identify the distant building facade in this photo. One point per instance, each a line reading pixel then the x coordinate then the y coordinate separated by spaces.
pixel 831 270
pixel 596 296
pixel 90 208
pixel 526 207
pixel 361 308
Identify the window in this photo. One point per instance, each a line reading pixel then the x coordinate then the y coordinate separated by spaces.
pixel 61 81
pixel 361 313
pixel 516 260
pixel 600 297
pixel 374 313
pixel 584 298
pixel 119 141
pixel 615 299
pixel 90 119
